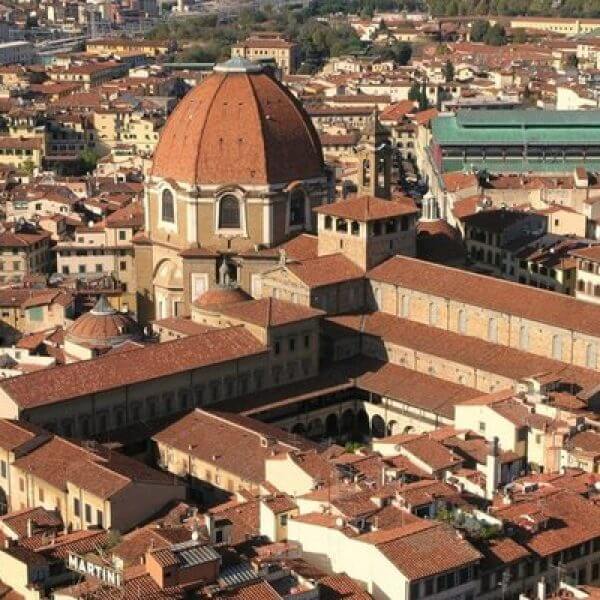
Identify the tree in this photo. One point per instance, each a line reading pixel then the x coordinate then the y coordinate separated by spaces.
pixel 519 36
pixel 571 61
pixel 28 167
pixel 449 71
pixel 88 159
pixel 479 30
pixel 423 101
pixel 495 35
pixel 414 93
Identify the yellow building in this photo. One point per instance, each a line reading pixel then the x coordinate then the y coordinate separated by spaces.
pixel 87 485
pixel 151 48
pixel 260 48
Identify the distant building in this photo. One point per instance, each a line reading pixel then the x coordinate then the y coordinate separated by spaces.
pixel 19 52
pixel 516 141
pixel 260 47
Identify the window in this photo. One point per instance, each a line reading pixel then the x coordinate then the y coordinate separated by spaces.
pixel 297 208
pixel 462 321
pixel 433 313
pixel 277 347
pixel 41 494
pixel 481 426
pixel 122 235
pixel 122 265
pixel 556 347
pixel 99 518
pixel 292 344
pixel 405 306
pixel 183 399
pixel 168 207
pixel 591 356
pixel 98 268
pixel 283 520
pixel 328 222
pixel 76 507
pixel 493 330
pixel 229 212
pixel 88 513
pixel 523 338
pixel 3 469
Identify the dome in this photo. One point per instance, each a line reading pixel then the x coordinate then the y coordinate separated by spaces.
pixel 221 296
pixel 239 126
pixel 103 326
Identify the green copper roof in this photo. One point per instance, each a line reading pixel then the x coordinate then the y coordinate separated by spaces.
pixel 524 127
pixel 528 118
pixel 519 165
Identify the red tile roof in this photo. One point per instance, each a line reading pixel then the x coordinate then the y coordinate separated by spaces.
pixel 270 312
pixel 368 208
pixel 487 292
pixel 235 444
pixel 417 389
pixel 242 127
pixel 325 270
pixel 480 354
pixel 421 550
pixel 150 362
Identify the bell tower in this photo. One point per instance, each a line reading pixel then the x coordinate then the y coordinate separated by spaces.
pixel 374 161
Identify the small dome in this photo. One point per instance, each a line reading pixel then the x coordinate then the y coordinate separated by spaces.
pixel 103 326
pixel 221 296
pixel 238 126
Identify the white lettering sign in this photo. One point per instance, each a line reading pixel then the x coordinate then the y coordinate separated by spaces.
pixel 104 573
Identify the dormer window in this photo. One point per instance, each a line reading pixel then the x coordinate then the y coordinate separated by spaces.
pixel 328 222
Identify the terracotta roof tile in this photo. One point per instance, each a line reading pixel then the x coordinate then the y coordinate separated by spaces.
pixel 150 362
pixel 242 127
pixel 325 270
pixel 368 208
pixel 236 444
pixel 270 312
pixel 504 296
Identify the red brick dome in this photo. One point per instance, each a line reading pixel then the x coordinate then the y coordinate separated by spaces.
pixel 238 126
pixel 221 296
pixel 103 326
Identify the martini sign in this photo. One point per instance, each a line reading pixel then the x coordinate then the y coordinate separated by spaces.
pixel 104 573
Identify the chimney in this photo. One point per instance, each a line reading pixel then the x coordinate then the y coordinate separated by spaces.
pixel 541 589
pixel 29 528
pixel 492 470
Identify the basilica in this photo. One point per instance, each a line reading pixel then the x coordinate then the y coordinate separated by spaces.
pixel 237 171
pixel 236 176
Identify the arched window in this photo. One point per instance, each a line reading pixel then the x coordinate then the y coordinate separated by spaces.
pixel 493 330
pixel 556 347
pixel 462 321
pixel 168 206
pixel 591 356
pixel 229 212
pixel 297 208
pixel 523 338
